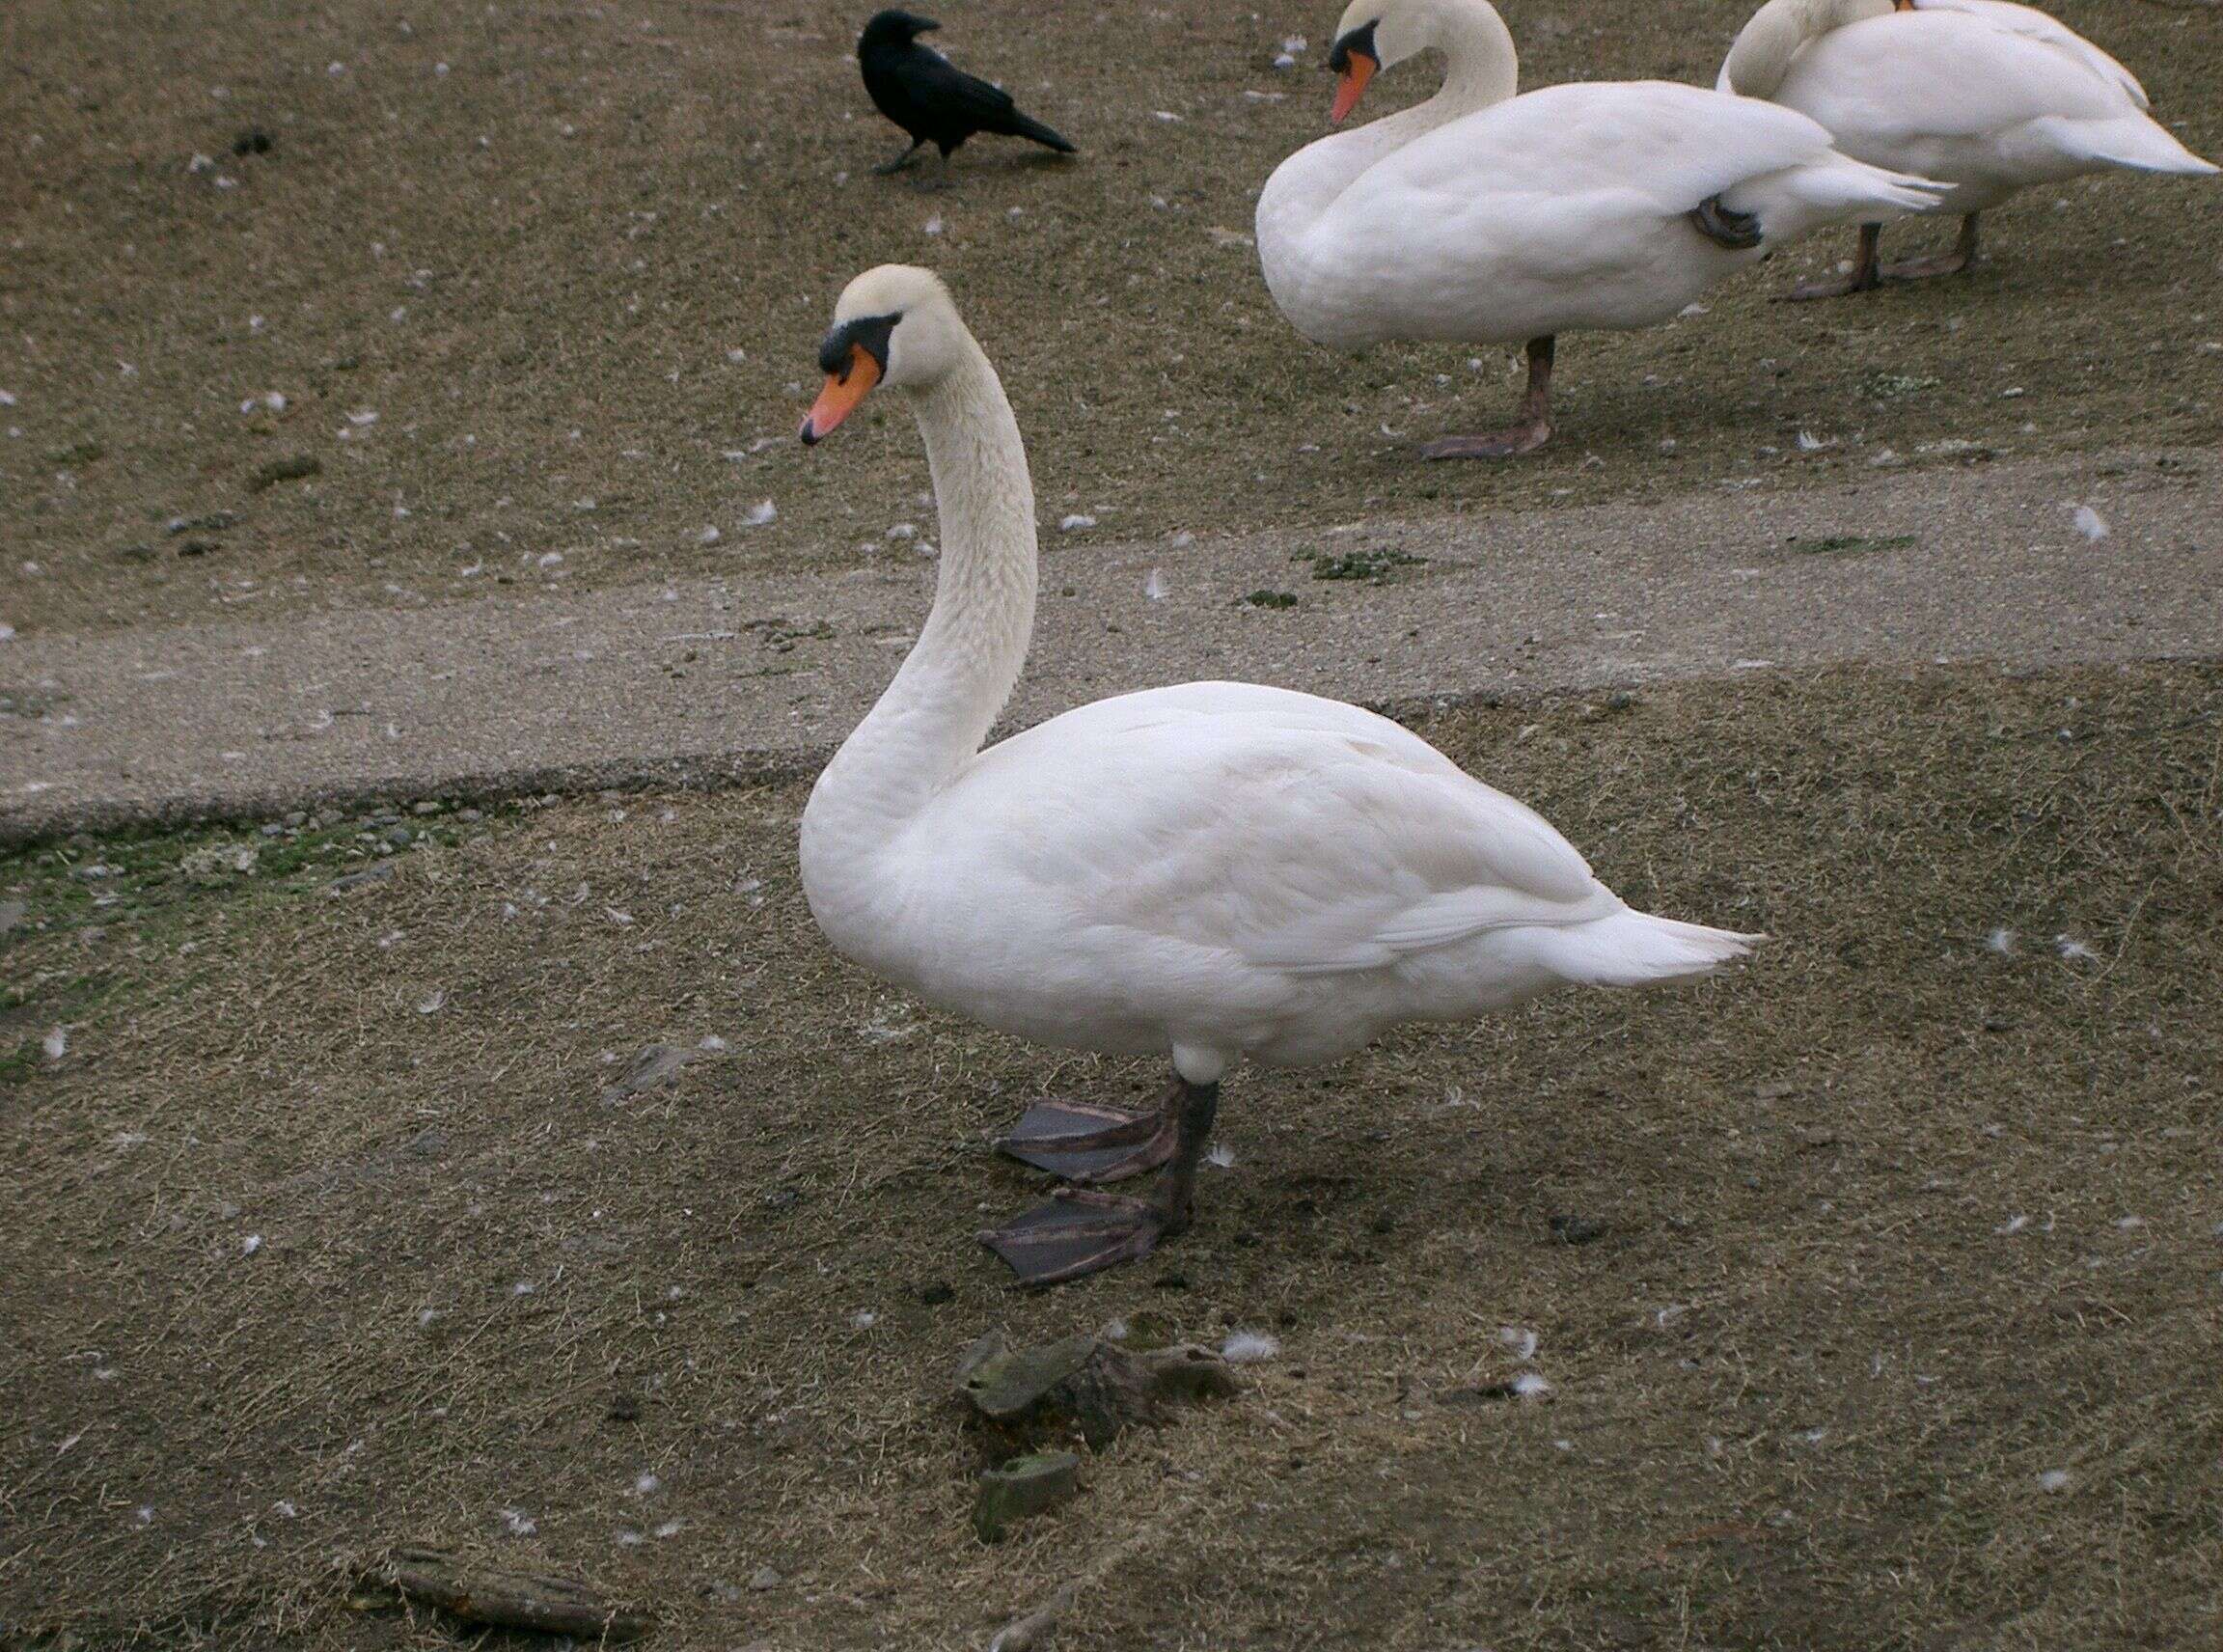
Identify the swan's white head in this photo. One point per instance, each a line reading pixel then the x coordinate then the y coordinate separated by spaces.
pixel 891 325
pixel 1375 35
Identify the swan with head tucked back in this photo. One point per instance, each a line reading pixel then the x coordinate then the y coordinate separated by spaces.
pixel 1198 873
pixel 1981 95
pixel 1482 217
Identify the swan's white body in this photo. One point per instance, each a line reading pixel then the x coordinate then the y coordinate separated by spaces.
pixel 1985 95
pixel 1212 871
pixel 1480 216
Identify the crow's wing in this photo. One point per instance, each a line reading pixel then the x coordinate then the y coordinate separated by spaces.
pixel 941 86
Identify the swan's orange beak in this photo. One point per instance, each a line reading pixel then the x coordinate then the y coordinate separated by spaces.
pixel 1358 70
pixel 843 391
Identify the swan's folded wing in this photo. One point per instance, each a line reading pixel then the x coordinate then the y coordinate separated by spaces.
pixel 1323 852
pixel 2033 24
pixel 1675 145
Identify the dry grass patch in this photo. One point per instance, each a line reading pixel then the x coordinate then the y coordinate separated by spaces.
pixel 1899 1228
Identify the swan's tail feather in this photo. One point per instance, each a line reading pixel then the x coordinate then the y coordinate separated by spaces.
pixel 2134 141
pixel 1634 948
pixel 1837 189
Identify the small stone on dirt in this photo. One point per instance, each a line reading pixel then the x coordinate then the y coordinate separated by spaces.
pixel 1576 1230
pixel 1022 1487
pixel 378 873
pixel 291 467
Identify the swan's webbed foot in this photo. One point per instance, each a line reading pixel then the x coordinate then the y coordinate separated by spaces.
pixel 1080 1232
pixel 1923 268
pixel 1835 286
pixel 1963 255
pixel 1524 438
pixel 1085 1143
pixel 1726 227
pixel 1869 272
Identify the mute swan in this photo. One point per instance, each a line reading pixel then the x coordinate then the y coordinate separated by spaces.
pixel 1482 217
pixel 1202 872
pixel 1981 95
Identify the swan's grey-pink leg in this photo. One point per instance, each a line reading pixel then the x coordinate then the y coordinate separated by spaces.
pixel 1532 432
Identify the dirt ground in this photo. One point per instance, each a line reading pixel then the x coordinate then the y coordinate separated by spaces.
pixel 546 281
pixel 1901 1330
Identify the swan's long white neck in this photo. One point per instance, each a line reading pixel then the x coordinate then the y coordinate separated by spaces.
pixel 933 717
pixel 1481 68
pixel 1764 50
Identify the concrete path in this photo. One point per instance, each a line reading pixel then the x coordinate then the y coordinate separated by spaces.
pixel 678 685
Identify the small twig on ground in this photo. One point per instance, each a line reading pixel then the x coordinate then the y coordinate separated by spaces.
pixel 511 1599
pixel 1032 1631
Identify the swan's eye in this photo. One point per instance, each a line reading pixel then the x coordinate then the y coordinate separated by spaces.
pixel 868 333
pixel 1355 42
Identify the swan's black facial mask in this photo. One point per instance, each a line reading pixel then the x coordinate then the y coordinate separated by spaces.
pixel 1355 58
pixel 1359 40
pixel 854 359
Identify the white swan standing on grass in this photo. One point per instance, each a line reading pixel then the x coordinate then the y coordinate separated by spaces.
pixel 1204 874
pixel 1482 217
pixel 1985 95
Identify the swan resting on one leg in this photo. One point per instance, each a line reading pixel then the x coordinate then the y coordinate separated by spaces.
pixel 1483 217
pixel 1201 874
pixel 1985 95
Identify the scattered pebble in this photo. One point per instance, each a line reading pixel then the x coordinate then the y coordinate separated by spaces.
pixel 56 1043
pixel 2091 524
pixel 1075 522
pixel 251 1244
pixel 2055 1480
pixel 761 514
pixel 1154 587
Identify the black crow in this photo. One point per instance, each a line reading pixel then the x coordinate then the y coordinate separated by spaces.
pixel 936 103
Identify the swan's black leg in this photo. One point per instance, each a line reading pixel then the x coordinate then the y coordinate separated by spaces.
pixel 1532 432
pixel 1081 1231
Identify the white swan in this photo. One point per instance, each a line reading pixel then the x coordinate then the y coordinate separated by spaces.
pixel 1205 872
pixel 1981 95
pixel 1486 218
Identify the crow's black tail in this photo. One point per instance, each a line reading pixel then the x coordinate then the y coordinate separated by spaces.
pixel 1023 128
